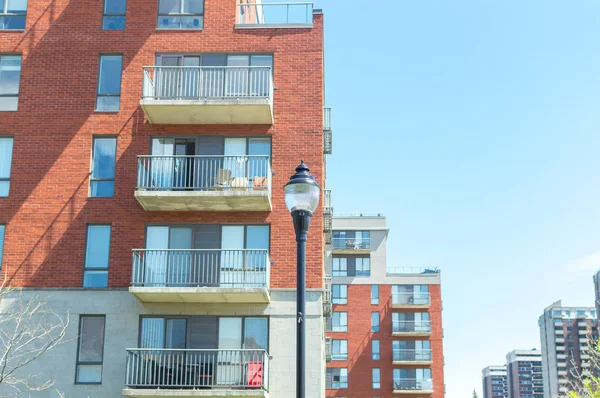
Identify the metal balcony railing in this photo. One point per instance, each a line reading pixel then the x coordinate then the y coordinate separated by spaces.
pixel 184 368
pixel 410 298
pixel 411 355
pixel 328 237
pixel 411 326
pixel 413 384
pixel 195 267
pixel 352 243
pixel 207 82
pixel 327 133
pixel 327 206
pixel 326 118
pixel 328 349
pixel 204 173
pixel 252 13
pixel 327 296
pixel 395 270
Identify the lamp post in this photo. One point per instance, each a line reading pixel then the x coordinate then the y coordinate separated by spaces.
pixel 301 197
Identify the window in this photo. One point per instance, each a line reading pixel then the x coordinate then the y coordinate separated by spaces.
pixel 102 181
pixel 374 321
pixel 374 294
pixel 2 229
pixel 375 350
pixel 113 17
pixel 10 77
pixel 6 149
pixel 97 251
pixel 90 349
pixel 337 378
pixel 340 266
pixel 180 14
pixel 376 378
pixel 340 350
pixel 108 98
pixel 340 294
pixel 12 14
pixel 340 321
pixel 363 266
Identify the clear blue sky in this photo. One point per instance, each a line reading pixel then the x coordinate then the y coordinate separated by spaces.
pixel 474 126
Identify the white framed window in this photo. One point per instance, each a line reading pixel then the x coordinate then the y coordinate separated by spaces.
pixel 337 378
pixel 340 266
pixel 108 95
pixel 2 230
pixel 180 14
pixel 339 350
pixel 376 376
pixel 97 253
pixel 102 178
pixel 340 321
pixel 374 294
pixel 113 14
pixel 375 355
pixel 13 14
pixel 339 294
pixel 10 79
pixel 363 266
pixel 6 150
pixel 374 321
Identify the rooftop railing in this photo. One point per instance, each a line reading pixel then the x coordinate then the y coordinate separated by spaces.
pixel 195 267
pixel 207 82
pixel 391 270
pixel 155 368
pixel 258 14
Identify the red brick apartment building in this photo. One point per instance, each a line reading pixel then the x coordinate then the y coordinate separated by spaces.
pixel 384 335
pixel 144 146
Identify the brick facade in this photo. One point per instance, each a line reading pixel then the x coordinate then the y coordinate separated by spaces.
pixel 48 207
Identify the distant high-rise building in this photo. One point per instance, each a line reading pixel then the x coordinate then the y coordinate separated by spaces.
pixel 494 382
pixel 564 336
pixel 597 290
pixel 524 374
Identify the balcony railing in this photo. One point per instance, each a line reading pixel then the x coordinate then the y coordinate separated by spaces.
pixel 327 296
pixel 411 355
pixel 184 368
pixel 327 206
pixel 413 298
pixel 204 173
pixel 394 270
pixel 258 15
pixel 411 326
pixel 207 82
pixel 195 267
pixel 413 384
pixel 328 349
pixel 352 243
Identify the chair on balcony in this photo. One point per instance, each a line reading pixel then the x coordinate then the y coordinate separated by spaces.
pixel 239 184
pixel 259 183
pixel 223 178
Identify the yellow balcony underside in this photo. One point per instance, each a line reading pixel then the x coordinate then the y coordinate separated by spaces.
pixel 411 306
pixel 221 200
pixel 255 111
pixel 411 334
pixel 201 295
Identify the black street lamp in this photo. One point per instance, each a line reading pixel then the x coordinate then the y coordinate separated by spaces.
pixel 301 197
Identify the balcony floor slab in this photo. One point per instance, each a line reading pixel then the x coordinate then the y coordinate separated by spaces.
pixel 242 200
pixel 213 111
pixel 201 295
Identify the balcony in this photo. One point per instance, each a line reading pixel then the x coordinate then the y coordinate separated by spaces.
pixel 204 183
pixel 411 357
pixel 560 340
pixel 413 386
pixel 327 134
pixel 201 276
pixel 159 373
pixel 252 14
pixel 327 212
pixel 328 349
pixel 208 95
pixel 351 245
pixel 327 297
pixel 411 328
pixel 410 300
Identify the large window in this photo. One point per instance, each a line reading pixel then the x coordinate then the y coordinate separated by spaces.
pixel 376 378
pixel 410 294
pixel 375 355
pixel 337 378
pixel 375 321
pixel 6 149
pixel 351 240
pixel 340 266
pixel 180 14
pixel 339 350
pixel 2 229
pixel 97 253
pixel 10 77
pixel 340 321
pixel 340 294
pixel 108 98
pixel 363 266
pixel 13 14
pixel 374 294
pixel 113 17
pixel 102 181
pixel 90 349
